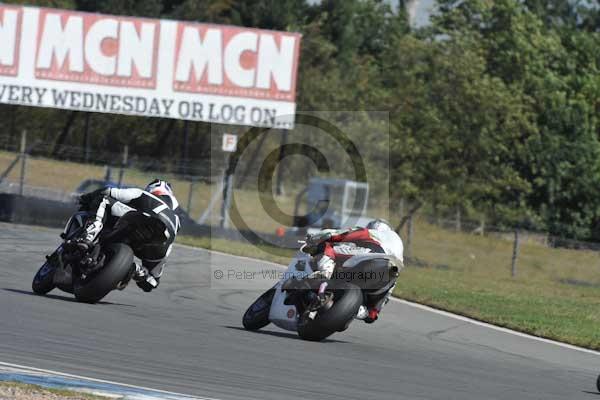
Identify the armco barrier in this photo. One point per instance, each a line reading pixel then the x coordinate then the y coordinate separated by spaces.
pixel 34 210
pixel 37 211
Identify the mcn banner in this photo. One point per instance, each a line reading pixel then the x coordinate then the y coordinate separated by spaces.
pixel 154 68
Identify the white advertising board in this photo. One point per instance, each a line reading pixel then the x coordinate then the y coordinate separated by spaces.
pixel 155 68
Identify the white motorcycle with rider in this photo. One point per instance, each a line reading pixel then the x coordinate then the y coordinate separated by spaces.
pixel 338 276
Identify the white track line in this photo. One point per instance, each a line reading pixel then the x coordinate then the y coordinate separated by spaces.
pixel 494 327
pixel 85 378
pixel 231 255
pixel 432 310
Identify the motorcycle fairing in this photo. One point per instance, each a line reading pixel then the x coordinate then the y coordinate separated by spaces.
pixel 282 315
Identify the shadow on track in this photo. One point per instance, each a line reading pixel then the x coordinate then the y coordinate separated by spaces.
pixel 62 298
pixel 281 334
pixel 596 393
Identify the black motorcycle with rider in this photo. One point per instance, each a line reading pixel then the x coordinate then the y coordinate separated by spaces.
pixel 102 239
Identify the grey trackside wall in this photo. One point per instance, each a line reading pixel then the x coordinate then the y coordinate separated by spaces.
pixel 34 211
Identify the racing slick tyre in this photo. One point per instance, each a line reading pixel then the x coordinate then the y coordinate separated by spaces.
pixel 347 299
pixel 598 383
pixel 116 269
pixel 43 281
pixel 257 315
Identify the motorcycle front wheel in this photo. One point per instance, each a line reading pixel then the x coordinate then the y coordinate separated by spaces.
pixel 257 315
pixel 43 281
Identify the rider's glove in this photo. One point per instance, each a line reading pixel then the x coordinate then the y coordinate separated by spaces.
pixel 314 242
pixel 318 238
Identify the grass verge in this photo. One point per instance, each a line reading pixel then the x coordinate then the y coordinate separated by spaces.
pixel 565 314
pixel 23 391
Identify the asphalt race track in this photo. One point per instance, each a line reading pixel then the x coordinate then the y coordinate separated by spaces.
pixel 187 338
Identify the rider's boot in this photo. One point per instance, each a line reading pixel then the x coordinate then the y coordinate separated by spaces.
pixel 362 313
pixel 139 272
pixel 144 279
pixel 321 292
pixel 372 316
pixel 369 315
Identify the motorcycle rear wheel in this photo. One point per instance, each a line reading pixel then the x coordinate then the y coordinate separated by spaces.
pixel 347 299
pixel 119 261
pixel 257 315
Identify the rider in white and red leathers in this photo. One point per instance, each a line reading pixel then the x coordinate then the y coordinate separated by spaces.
pixel 337 246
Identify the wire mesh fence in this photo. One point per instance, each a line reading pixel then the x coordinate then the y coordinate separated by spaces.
pixel 456 244
pixel 472 249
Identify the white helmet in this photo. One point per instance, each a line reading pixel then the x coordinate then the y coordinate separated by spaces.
pixel 380 225
pixel 163 190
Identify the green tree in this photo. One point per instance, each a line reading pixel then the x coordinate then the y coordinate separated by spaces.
pixel 142 8
pixel 547 67
pixel 457 130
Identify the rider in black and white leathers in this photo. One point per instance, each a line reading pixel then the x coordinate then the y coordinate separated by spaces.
pixel 133 215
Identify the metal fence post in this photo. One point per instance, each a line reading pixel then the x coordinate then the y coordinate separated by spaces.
pixel 401 208
pixel 190 194
pixel 279 176
pixel 86 138
pixel 123 164
pixel 457 221
pixel 409 237
pixel 23 161
pixel 13 124
pixel 213 200
pixel 515 255
pixel 183 162
pixel 227 192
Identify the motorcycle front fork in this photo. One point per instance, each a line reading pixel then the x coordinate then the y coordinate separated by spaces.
pixel 62 276
pixel 55 259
